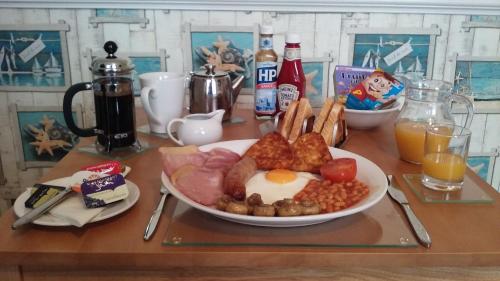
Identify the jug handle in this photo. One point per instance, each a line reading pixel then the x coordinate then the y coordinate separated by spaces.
pixel 468 104
pixel 169 131
pixel 68 112
pixel 145 96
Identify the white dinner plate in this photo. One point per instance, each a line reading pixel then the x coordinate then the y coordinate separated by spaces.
pixel 109 211
pixel 368 173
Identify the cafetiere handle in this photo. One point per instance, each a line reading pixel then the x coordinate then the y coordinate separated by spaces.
pixel 468 104
pixel 68 113
pixel 169 130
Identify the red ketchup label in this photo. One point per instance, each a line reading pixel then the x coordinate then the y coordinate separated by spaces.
pixel 109 168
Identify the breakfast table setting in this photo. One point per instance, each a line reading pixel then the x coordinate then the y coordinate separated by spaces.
pixel 377 241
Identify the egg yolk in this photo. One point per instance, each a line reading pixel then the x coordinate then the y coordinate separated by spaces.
pixel 281 176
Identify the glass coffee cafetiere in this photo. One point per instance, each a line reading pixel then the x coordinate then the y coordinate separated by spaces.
pixel 113 100
pixel 427 102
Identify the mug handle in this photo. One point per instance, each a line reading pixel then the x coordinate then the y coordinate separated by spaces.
pixel 468 104
pixel 169 132
pixel 145 96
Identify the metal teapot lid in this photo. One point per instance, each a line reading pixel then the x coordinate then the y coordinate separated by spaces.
pixel 111 64
pixel 210 72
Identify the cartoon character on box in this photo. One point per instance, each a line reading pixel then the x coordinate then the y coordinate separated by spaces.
pixel 378 88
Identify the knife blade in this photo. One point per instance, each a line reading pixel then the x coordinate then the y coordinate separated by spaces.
pixel 42 209
pixel 417 226
pixel 153 221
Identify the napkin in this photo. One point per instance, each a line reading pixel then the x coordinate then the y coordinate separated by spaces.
pixel 73 211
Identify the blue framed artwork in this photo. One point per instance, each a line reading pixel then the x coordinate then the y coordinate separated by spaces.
pixel 230 49
pixel 42 135
pixel 143 63
pixel 397 51
pixel 483 164
pixel 34 58
pixel 130 16
pixel 131 13
pixel 478 77
pixel 484 18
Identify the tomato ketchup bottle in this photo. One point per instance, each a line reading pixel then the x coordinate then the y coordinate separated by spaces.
pixel 291 79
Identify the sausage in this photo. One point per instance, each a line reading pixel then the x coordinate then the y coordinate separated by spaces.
pixel 238 175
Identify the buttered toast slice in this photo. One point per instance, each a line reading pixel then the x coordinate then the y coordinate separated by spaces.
pixel 323 115
pixel 303 112
pixel 287 122
pixel 333 118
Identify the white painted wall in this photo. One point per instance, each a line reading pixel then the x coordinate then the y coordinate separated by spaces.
pixel 321 32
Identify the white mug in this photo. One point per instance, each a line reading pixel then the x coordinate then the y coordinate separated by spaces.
pixel 162 96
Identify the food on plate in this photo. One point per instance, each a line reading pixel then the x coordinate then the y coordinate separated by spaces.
pixel 237 207
pixel 277 184
pixel 198 175
pixel 287 122
pixel 333 196
pixel 238 175
pixel 41 193
pixel 310 153
pixel 323 114
pixel 271 152
pixel 304 111
pixel 339 170
pixel 103 191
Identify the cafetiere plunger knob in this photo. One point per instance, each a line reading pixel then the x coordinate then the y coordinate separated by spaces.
pixel 110 47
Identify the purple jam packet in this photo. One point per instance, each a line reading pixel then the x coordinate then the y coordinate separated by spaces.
pixel 100 192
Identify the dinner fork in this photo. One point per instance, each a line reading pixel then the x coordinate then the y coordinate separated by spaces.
pixel 153 221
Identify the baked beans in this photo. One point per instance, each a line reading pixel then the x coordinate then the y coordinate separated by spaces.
pixel 333 196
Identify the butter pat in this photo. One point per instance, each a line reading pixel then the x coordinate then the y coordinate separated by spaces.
pixel 100 192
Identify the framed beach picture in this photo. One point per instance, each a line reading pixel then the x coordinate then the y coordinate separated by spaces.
pixel 316 71
pixel 483 164
pixel 230 49
pixel 34 58
pixel 41 135
pixel 481 21
pixel 402 51
pixel 143 63
pixel 131 16
pixel 478 77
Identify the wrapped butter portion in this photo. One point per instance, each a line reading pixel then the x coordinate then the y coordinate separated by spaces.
pixel 100 192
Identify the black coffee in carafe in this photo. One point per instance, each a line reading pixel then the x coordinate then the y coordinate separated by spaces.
pixel 113 100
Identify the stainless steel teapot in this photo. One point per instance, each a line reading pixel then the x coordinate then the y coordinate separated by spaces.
pixel 210 90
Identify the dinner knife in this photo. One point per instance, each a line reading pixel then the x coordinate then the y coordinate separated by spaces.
pixel 153 221
pixel 42 209
pixel 419 229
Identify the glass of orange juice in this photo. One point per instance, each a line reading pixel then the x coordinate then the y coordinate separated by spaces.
pixel 445 152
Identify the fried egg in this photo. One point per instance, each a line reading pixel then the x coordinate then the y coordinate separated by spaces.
pixel 277 184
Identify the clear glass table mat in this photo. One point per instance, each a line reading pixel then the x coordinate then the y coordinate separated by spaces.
pixel 470 192
pixel 382 225
pixel 118 153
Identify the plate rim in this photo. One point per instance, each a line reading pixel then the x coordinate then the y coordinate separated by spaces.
pixel 99 217
pixel 281 221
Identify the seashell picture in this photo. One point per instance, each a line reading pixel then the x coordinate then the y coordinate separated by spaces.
pixel 229 50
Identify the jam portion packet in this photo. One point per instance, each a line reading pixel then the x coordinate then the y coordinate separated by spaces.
pixel 376 90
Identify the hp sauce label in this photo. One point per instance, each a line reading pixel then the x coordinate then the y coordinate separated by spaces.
pixel 265 87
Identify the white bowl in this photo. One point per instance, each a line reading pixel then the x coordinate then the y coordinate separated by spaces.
pixel 368 119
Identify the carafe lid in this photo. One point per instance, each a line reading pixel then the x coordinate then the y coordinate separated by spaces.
pixel 111 64
pixel 210 72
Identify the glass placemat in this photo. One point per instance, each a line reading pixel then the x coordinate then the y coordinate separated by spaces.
pixel 117 153
pixel 146 130
pixel 470 192
pixel 379 226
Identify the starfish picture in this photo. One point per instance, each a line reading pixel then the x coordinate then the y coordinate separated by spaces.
pixel 221 45
pixel 310 89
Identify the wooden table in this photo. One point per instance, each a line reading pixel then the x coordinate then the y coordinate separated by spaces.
pixel 466 237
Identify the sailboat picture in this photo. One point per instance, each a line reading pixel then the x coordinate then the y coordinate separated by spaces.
pixel 477 77
pixel 33 60
pixel 372 50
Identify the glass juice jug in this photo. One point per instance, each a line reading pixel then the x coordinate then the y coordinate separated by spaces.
pixel 427 102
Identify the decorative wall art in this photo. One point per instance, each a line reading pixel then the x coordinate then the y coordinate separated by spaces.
pixel 41 135
pixel 316 71
pixel 478 77
pixel 483 164
pixel 130 16
pixel 481 21
pixel 34 58
pixel 143 63
pixel 230 49
pixel 404 51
